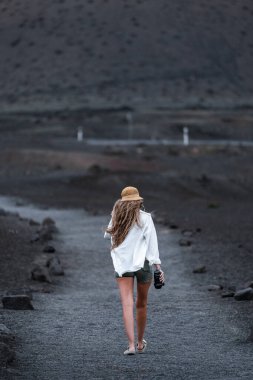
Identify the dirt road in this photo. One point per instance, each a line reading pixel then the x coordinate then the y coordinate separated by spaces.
pixel 76 332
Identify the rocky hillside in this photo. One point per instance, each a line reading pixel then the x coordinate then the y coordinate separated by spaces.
pixel 63 54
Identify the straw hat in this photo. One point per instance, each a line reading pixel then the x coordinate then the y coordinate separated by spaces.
pixel 130 193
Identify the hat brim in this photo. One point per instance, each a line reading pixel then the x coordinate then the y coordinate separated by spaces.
pixel 131 198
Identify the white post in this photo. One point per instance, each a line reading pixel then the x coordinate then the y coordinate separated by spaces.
pixel 80 134
pixel 185 136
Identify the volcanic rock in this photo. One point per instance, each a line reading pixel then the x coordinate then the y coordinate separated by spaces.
pixel 214 287
pixel 40 273
pixel 244 294
pixel 201 269
pixel 185 242
pixel 17 302
pixel 49 249
pixel 20 291
pixel 55 266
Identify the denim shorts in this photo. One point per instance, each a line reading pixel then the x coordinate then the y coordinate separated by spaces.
pixel 143 275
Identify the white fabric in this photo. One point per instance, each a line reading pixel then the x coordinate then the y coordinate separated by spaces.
pixel 140 243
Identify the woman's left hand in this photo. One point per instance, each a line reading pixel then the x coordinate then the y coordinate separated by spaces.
pixel 162 278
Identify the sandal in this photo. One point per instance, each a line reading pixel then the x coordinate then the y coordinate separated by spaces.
pixel 129 352
pixel 140 351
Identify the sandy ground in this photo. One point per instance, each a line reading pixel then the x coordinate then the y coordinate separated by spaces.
pixel 207 190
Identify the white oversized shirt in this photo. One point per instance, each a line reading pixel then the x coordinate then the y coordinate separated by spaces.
pixel 140 243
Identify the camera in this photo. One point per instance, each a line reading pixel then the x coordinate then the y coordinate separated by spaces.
pixel 157 282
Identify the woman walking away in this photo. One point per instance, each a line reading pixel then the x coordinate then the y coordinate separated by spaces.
pixel 134 249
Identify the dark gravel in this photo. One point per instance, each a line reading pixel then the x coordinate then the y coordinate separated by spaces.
pixel 76 332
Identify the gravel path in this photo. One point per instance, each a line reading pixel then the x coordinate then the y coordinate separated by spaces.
pixel 76 332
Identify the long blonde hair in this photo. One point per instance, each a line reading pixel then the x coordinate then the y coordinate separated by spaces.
pixel 124 215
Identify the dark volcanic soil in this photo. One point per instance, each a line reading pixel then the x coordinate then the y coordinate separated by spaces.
pixel 104 53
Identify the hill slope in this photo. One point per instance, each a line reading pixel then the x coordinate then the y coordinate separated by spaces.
pixel 104 53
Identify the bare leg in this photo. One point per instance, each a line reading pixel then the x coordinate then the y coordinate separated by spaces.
pixel 126 288
pixel 141 310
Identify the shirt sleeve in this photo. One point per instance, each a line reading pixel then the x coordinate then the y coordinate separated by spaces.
pixel 150 235
pixel 106 234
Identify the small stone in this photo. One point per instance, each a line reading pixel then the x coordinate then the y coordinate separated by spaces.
pixel 33 222
pixel 19 291
pixel 45 290
pixel 17 302
pixel 34 238
pixel 185 242
pixel 188 233
pixel 173 226
pixel 244 294
pixel 49 249
pixel 48 226
pixel 48 221
pixel 7 355
pixel 213 205
pixel 201 269
pixel 198 229
pixel 228 293
pixel 55 267
pixel 45 234
pixel 22 219
pixel 40 273
pixel 214 287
